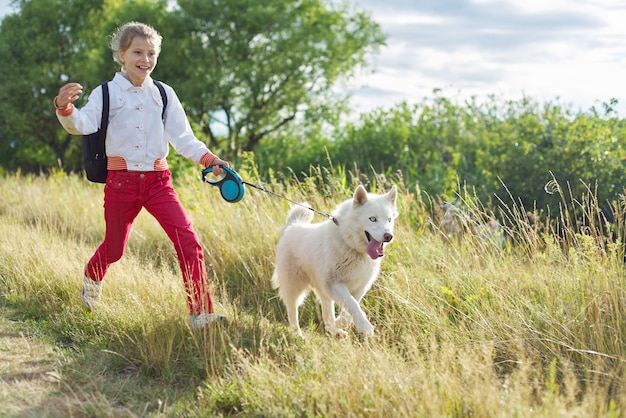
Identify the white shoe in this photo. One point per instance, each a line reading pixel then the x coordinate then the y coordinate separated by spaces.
pixel 91 293
pixel 202 320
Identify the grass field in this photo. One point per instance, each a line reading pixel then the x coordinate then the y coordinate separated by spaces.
pixel 463 327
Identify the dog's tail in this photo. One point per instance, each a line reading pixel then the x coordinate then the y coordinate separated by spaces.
pixel 298 214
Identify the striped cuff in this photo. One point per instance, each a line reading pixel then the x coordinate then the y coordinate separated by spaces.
pixel 63 111
pixel 207 159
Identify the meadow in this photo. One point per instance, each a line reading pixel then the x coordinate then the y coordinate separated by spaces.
pixel 464 327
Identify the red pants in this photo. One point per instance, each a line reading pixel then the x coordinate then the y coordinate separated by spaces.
pixel 125 193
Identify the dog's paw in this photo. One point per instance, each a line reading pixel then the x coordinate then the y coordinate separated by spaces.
pixel 338 333
pixel 369 333
pixel 366 329
pixel 344 320
pixel 341 334
pixel 297 332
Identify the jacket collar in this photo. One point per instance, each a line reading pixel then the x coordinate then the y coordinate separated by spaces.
pixel 121 80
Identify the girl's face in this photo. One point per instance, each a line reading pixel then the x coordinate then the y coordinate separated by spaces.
pixel 139 59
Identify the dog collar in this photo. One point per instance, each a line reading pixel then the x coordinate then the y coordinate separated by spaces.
pixel 231 186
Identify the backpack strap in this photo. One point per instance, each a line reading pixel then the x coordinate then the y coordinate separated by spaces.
pixel 104 122
pixel 163 97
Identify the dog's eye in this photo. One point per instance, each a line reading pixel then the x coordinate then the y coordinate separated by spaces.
pixel 373 219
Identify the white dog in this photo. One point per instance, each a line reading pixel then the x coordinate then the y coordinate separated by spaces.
pixel 339 260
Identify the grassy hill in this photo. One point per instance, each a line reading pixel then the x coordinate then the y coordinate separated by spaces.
pixel 463 327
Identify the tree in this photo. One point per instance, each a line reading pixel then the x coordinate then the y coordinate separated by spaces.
pixel 247 68
pixel 430 143
pixel 251 66
pixel 42 46
pixel 534 145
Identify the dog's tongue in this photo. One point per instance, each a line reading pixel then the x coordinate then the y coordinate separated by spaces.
pixel 375 249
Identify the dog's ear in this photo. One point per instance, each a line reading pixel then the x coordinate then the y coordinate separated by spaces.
pixel 360 195
pixel 392 194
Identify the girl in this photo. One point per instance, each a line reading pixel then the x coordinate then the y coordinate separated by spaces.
pixel 138 175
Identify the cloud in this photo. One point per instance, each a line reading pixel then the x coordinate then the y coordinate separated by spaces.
pixel 5 8
pixel 572 49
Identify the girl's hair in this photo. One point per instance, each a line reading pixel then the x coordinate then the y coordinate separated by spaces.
pixel 124 35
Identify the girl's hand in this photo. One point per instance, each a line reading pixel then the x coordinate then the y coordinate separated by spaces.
pixel 216 164
pixel 68 93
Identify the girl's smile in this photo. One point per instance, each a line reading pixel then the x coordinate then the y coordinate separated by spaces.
pixel 139 60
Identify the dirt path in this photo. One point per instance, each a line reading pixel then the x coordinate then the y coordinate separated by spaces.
pixel 29 372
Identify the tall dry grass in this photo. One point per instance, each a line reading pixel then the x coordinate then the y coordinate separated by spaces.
pixel 463 327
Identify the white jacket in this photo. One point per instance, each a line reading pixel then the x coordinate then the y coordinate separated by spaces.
pixel 136 132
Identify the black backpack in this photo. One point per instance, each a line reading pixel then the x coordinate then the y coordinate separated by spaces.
pixel 94 152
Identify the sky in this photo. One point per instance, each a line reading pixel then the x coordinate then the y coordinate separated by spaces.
pixel 572 52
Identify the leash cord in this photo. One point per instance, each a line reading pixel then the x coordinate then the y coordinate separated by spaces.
pixel 331 217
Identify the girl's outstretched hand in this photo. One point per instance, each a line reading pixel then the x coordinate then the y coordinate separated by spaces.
pixel 68 93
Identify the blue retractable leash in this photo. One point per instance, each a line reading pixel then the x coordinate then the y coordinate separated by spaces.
pixel 232 188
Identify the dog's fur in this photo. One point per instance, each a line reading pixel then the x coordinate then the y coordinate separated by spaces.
pixel 339 262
